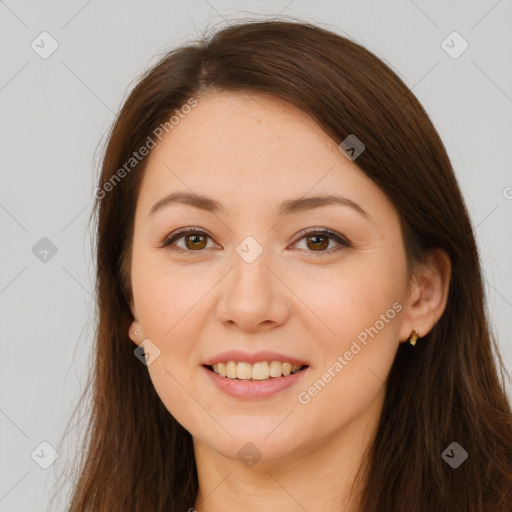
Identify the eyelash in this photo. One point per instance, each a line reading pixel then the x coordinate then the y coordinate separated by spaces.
pixel 181 233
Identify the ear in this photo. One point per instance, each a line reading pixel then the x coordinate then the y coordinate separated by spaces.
pixel 428 294
pixel 135 330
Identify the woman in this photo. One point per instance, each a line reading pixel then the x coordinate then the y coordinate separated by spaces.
pixel 291 310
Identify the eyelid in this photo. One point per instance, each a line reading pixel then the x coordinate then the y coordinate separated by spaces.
pixel 180 233
pixel 321 231
pixel 307 232
pixel 341 240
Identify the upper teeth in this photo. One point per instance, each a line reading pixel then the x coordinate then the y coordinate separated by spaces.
pixel 257 371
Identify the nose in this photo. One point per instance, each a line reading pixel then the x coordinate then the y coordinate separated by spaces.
pixel 254 297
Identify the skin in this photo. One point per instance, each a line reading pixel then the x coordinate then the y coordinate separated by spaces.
pixel 251 153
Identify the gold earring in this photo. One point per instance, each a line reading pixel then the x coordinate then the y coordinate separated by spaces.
pixel 413 337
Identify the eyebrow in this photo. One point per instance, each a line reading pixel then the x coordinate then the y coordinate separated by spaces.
pixel 287 207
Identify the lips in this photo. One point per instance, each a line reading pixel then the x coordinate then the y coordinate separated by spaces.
pixel 254 376
pixel 257 357
pixel 251 389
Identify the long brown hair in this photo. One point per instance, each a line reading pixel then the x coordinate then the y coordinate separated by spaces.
pixel 449 388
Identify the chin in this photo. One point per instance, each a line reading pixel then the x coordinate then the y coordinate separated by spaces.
pixel 254 449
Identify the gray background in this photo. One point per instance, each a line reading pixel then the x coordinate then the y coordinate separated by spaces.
pixel 55 113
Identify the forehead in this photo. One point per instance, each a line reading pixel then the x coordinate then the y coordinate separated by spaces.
pixel 245 127
pixel 245 148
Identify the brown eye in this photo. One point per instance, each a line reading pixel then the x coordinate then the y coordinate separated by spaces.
pixel 196 241
pixel 317 242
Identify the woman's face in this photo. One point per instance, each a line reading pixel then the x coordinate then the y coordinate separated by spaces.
pixel 253 279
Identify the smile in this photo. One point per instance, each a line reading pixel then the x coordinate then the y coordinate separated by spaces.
pixel 261 370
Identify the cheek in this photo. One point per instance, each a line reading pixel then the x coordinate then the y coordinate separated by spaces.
pixel 355 353
pixel 346 302
pixel 167 310
pixel 179 394
pixel 167 301
pixel 166 295
pixel 359 312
